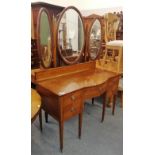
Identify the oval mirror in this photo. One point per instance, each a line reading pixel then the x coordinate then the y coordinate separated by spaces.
pixel 44 38
pixel 70 35
pixel 95 40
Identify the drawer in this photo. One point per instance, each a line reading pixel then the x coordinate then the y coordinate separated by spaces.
pixel 72 105
pixel 91 92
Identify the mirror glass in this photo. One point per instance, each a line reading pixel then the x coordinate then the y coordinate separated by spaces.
pixel 95 39
pixel 70 36
pixel 45 40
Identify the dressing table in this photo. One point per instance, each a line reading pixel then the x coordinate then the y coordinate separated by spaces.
pixel 64 90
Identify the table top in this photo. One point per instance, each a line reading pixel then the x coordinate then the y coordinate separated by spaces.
pixel 35 103
pixel 65 84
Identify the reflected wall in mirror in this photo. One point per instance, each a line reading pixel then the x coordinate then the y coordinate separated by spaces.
pixel 44 38
pixel 70 35
pixel 95 40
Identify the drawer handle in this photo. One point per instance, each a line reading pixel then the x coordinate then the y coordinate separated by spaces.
pixel 73 97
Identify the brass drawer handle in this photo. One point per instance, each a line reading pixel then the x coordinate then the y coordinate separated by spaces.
pixel 73 97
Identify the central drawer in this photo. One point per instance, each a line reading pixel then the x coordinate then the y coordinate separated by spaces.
pixel 72 105
pixel 91 92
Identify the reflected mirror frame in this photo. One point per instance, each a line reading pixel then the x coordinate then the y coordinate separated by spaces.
pixel 89 33
pixel 57 32
pixel 38 35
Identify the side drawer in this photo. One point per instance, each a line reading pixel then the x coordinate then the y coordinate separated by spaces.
pixel 72 105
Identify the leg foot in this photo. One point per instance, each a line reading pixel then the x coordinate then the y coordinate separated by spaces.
pixel 92 100
pixel 40 120
pixel 61 128
pixel 80 124
pixel 103 106
pixel 46 117
pixel 114 104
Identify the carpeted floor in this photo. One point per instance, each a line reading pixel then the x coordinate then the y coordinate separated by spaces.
pixel 97 138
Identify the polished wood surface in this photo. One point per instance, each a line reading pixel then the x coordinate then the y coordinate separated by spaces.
pixel 76 81
pixel 35 103
pixel 64 90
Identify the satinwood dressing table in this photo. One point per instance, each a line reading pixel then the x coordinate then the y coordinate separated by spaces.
pixel 64 90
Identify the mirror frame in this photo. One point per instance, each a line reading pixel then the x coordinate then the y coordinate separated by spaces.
pixel 89 31
pixel 38 36
pixel 58 47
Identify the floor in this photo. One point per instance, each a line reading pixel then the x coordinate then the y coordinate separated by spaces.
pixel 97 138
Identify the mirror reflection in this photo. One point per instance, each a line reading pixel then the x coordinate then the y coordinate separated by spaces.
pixel 45 40
pixel 95 39
pixel 70 35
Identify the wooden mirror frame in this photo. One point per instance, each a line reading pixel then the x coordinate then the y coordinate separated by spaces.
pixel 38 36
pixel 32 25
pixel 88 39
pixel 58 47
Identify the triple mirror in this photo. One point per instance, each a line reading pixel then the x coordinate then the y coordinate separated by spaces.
pixel 95 40
pixel 70 35
pixel 44 38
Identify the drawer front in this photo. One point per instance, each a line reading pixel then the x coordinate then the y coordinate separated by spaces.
pixel 72 105
pixel 91 92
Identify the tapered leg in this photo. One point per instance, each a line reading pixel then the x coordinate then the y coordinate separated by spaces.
pixel 92 100
pixel 103 106
pixel 61 128
pixel 110 101
pixel 114 103
pixel 40 119
pixel 80 124
pixel 46 117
